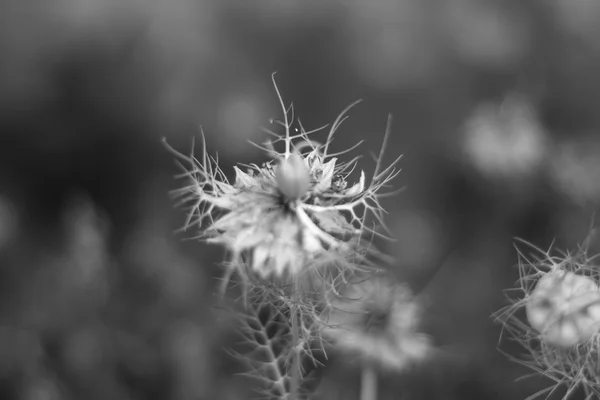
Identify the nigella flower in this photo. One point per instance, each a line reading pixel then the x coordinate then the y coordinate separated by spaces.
pixel 379 323
pixel 505 140
pixel 556 318
pixel 564 308
pixel 296 211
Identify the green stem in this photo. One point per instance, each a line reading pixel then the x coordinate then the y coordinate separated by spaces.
pixel 368 383
pixel 295 367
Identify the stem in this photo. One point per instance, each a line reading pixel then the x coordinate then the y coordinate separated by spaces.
pixel 368 383
pixel 295 382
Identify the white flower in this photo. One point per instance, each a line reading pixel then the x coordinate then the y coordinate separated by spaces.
pixel 379 323
pixel 560 298
pixel 504 140
pixel 292 212
pixel 564 308
pixel 574 169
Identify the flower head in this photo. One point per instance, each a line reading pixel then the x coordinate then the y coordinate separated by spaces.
pixel 564 308
pixel 379 323
pixel 505 140
pixel 556 319
pixel 294 211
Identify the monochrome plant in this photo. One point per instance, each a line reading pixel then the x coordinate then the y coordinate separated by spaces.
pixel 377 322
pixel 297 228
pixel 554 315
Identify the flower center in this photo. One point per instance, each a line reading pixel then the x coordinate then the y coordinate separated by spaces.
pixel 293 177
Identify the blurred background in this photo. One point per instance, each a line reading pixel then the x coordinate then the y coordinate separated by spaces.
pixel 495 107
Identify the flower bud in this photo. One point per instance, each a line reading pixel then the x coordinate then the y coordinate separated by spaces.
pixel 293 177
pixel 565 308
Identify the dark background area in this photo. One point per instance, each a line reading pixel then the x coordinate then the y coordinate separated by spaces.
pixel 496 110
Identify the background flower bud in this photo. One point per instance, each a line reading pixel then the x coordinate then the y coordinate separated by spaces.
pixel 565 308
pixel 293 177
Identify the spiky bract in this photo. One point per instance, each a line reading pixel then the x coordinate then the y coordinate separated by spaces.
pixel 269 345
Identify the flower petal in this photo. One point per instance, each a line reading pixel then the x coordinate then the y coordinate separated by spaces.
pixel 357 188
pixel 324 182
pixel 244 180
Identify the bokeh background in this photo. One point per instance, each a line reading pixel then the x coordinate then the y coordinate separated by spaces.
pixel 496 110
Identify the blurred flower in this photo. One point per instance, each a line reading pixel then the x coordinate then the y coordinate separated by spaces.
pixel 179 279
pixel 8 221
pixel 41 388
pixel 505 140
pixel 73 280
pixel 486 33
pixel 392 43
pixel 292 211
pixel 575 167
pixel 579 17
pixel 88 254
pixel 188 349
pixel 379 322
